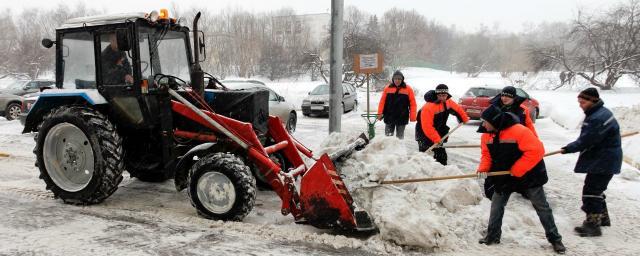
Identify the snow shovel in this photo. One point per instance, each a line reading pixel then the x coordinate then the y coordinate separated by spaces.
pixel 453 177
pixel 443 138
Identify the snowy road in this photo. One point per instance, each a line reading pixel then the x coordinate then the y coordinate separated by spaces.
pixel 152 219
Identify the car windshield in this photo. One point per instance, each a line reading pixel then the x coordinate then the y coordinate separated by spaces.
pixel 322 89
pixel 482 92
pixel 18 84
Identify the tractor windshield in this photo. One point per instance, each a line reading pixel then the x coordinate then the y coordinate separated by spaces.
pixel 163 52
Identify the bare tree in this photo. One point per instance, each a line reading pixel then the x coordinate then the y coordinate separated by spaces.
pixel 600 49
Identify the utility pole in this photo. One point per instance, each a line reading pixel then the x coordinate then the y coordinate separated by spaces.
pixel 335 85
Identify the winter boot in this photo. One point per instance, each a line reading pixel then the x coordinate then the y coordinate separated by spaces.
pixel 605 221
pixel 489 241
pixel 591 226
pixel 558 247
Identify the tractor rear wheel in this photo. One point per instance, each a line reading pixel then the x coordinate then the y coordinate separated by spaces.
pixel 79 154
pixel 221 187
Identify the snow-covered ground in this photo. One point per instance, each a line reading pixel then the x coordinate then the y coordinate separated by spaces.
pixel 446 217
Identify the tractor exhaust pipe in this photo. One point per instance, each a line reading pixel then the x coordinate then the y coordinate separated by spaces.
pixel 197 75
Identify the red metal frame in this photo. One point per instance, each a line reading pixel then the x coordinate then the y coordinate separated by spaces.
pixel 323 199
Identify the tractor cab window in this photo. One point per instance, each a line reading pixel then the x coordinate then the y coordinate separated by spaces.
pixel 115 64
pixel 164 52
pixel 78 61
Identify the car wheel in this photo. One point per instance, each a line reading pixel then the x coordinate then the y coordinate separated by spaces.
pixel 344 110
pixel 13 111
pixel 291 122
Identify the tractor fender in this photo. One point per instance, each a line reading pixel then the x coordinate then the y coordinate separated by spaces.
pixel 51 99
pixel 187 160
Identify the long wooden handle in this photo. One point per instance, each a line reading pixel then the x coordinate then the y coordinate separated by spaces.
pixel 462 146
pixel 443 178
pixel 621 136
pixel 443 138
pixel 548 154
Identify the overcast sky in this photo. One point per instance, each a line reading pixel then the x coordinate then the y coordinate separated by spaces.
pixel 467 15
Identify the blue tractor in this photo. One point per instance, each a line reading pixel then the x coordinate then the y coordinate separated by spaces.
pixel 131 96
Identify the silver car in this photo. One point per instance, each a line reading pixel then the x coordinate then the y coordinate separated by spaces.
pixel 10 105
pixel 278 106
pixel 317 102
pixel 22 87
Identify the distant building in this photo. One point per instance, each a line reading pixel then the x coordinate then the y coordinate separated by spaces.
pixel 312 28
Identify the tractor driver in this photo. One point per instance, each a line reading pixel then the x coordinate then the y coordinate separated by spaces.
pixel 115 65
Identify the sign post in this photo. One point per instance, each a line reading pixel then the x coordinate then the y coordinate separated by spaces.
pixel 368 64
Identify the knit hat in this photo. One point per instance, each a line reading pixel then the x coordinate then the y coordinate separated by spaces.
pixel 442 88
pixel 397 73
pixel 508 91
pixel 590 94
pixel 492 115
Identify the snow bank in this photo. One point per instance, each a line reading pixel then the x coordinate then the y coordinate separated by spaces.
pixel 440 215
pixel 628 120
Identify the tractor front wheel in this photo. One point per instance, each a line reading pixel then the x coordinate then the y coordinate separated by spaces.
pixel 221 187
pixel 79 154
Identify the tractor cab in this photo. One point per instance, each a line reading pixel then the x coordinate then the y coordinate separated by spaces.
pixel 119 56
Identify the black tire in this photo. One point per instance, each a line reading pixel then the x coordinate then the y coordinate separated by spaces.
pixel 236 173
pixel 13 111
pixel 105 145
pixel 344 109
pixel 291 122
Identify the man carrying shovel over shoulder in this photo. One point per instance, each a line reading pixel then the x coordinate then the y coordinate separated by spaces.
pixel 432 120
pixel 508 145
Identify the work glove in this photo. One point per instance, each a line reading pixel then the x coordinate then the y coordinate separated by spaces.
pixel 563 150
pixel 481 175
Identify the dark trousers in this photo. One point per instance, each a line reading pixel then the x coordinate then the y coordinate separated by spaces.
pixel 440 154
pixel 398 128
pixel 593 198
pixel 538 200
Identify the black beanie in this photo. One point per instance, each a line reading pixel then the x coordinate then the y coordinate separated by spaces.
pixel 590 94
pixel 442 88
pixel 397 73
pixel 509 91
pixel 492 115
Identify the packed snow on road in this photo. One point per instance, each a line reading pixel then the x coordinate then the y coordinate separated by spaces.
pixel 446 217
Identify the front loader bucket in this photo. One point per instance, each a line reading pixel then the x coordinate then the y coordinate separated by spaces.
pixel 326 202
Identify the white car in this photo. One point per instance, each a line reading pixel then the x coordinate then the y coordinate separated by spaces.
pixel 278 106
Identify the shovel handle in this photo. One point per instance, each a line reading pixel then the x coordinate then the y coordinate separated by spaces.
pixel 443 178
pixel 621 136
pixel 443 138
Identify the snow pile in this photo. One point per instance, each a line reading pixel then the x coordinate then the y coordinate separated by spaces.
pixel 441 215
pixel 628 120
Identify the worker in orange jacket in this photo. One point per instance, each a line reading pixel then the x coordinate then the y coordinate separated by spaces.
pixel 509 101
pixel 508 145
pixel 432 120
pixel 397 106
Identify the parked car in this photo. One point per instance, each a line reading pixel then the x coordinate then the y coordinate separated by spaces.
pixel 278 106
pixel 27 101
pixel 317 102
pixel 22 87
pixel 476 100
pixel 10 105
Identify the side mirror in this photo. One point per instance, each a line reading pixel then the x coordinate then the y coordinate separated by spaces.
pixel 47 43
pixel 280 98
pixel 122 37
